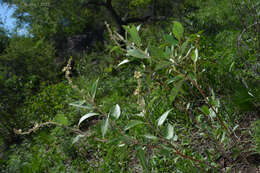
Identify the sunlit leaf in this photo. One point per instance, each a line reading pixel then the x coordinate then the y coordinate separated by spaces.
pixel 163 117
pixel 123 62
pixel 149 136
pixel 91 114
pixel 116 111
pixel 177 30
pixel 170 132
pixel 195 56
pixel 104 126
pixel 132 124
pixel 138 27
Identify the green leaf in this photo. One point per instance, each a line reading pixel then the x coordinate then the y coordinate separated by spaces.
pixel 137 53
pixel 141 105
pixel 132 124
pixel 104 126
pixel 175 90
pixel 177 30
pixel 116 111
pixel 115 48
pixel 165 151
pixel 157 52
pixel 94 88
pixel 143 161
pixel 60 118
pixel 205 109
pixel 168 52
pixel 91 114
pixel 223 137
pixel 162 65
pixel 163 117
pixel 231 66
pixel 79 104
pixel 77 138
pixel 134 35
pixel 195 56
pixel 170 132
pixel 234 129
pixel 184 46
pixel 149 136
pixel 176 78
pixel 212 113
pixel 170 40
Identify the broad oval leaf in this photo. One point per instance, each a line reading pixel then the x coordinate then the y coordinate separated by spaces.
pixel 104 126
pixel 170 132
pixel 195 56
pixel 163 117
pixel 132 124
pixel 177 30
pixel 91 114
pixel 116 111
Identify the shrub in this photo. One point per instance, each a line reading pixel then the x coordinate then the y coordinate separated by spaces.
pixel 24 64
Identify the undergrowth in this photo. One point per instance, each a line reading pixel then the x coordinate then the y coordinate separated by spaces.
pixel 154 111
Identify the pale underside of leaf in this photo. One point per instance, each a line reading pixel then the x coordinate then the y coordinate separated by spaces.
pixel 91 114
pixel 104 127
pixel 116 111
pixel 163 117
pixel 123 62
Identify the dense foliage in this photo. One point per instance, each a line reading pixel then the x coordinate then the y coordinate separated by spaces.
pixel 171 86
